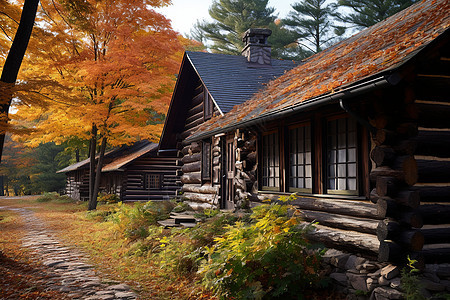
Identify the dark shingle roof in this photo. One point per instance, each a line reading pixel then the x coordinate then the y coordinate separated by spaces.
pixel 230 79
pixel 375 51
pixel 117 158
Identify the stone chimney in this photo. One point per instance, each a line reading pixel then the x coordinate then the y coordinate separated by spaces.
pixel 256 49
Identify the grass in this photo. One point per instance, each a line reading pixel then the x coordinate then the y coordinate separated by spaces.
pixel 108 250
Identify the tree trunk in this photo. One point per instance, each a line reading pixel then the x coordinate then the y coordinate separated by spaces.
pixel 93 200
pixel 13 62
pixel 92 150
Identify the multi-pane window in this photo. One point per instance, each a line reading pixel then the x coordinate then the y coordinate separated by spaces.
pixel 341 156
pixel 152 181
pixel 270 161
pixel 300 160
pixel 206 160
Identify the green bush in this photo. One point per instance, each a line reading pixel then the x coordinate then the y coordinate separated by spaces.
pixel 133 221
pixel 268 257
pixel 53 196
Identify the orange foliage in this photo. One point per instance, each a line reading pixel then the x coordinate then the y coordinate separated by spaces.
pixel 111 63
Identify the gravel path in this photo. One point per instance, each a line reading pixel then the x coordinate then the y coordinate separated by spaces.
pixel 67 269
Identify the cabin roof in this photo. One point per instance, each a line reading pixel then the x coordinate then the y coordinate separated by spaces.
pixel 122 161
pixel 230 79
pixel 374 52
pixel 116 158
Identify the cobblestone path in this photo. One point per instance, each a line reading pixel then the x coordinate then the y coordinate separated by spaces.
pixel 67 269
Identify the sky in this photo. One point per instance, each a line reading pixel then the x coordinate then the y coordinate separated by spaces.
pixel 185 13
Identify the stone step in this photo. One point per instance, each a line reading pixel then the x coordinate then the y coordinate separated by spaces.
pixel 168 223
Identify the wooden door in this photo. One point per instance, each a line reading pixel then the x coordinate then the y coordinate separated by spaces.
pixel 229 160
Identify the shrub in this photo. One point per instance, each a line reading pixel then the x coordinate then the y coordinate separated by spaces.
pixel 267 257
pixel 47 197
pixel 133 221
pixel 410 282
pixel 108 198
pixel 53 196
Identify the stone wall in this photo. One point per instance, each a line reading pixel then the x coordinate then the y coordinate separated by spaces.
pixel 361 278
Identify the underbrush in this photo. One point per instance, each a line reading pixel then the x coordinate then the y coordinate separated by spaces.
pixel 54 197
pixel 263 254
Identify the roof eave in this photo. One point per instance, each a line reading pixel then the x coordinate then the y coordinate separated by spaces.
pixel 346 93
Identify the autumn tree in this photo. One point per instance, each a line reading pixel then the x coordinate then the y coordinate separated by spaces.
pixel 365 13
pixel 117 60
pixel 311 21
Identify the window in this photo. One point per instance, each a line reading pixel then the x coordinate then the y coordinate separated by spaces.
pixel 152 181
pixel 300 160
pixel 270 161
pixel 341 156
pixel 207 105
pixel 206 160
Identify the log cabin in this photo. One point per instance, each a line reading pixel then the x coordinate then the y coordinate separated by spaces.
pixel 134 173
pixel 360 132
pixel 210 85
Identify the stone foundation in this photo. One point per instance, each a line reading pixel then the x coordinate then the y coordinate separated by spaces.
pixel 361 278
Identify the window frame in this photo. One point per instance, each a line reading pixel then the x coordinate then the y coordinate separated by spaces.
pixel 206 165
pixel 326 163
pixel 280 158
pixel 146 181
pixel 318 127
pixel 287 158
pixel 208 106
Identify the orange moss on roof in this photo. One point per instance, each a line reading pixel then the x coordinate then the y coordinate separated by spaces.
pixel 380 48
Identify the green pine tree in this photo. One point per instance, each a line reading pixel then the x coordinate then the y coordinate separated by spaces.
pixel 311 21
pixel 232 18
pixel 366 13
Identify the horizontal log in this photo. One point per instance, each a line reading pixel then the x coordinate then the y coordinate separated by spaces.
pixel 433 171
pixel 387 185
pixel 193 117
pixel 191 167
pixel 200 205
pixel 192 178
pixel 382 155
pixel 433 143
pixel 434 214
pixel 392 252
pixel 436 255
pixel 410 239
pixel 207 198
pixel 345 239
pixel 438 235
pixel 387 171
pixel 433 193
pixel 388 208
pixel 204 189
pixel 433 114
pixel 405 147
pixel 342 222
pixel 191 125
pixel 191 158
pixel 191 148
pixel 198 99
pixel 343 207
pixel 408 165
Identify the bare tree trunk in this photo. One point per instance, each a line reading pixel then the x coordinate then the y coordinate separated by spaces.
pixel 13 62
pixel 98 172
pixel 92 150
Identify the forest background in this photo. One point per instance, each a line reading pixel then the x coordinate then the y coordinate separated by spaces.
pixel 100 74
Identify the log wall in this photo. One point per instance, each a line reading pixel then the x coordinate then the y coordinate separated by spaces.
pixel 133 183
pixel 198 193
pixel 432 111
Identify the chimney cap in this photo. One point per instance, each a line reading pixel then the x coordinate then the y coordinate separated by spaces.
pixel 256 36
